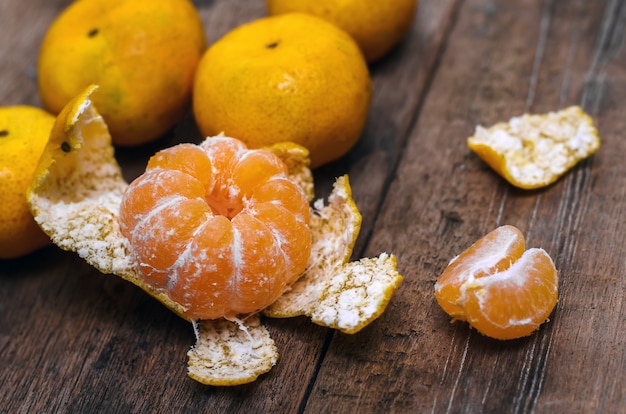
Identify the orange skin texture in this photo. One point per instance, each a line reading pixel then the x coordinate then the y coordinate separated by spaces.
pixel 24 132
pixel 290 78
pixel 218 227
pixel 501 289
pixel 377 26
pixel 142 54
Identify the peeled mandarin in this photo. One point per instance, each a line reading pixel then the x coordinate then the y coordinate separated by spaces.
pixel 219 227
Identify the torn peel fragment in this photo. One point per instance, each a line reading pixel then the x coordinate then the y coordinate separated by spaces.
pixel 332 291
pixel 533 151
pixel 76 193
pixel 357 294
pixel 231 353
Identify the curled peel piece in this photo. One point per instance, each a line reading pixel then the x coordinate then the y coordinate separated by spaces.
pixel 533 151
pixel 78 185
pixel 333 291
pixel 77 190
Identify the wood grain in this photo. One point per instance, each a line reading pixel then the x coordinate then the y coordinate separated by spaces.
pixel 74 340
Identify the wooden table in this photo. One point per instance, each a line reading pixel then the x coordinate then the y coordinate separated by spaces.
pixel 74 340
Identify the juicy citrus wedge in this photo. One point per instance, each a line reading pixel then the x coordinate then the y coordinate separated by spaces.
pixel 498 287
pixel 533 151
pixel 76 198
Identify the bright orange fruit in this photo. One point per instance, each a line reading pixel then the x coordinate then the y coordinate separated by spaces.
pixel 24 132
pixel 143 55
pixel 498 287
pixel 375 25
pixel 293 77
pixel 218 226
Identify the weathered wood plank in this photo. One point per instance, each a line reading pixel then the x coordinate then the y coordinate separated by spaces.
pixel 502 58
pixel 74 340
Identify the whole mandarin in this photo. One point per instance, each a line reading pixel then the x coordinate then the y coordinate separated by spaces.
pixel 293 78
pixel 24 132
pixel 143 54
pixel 376 25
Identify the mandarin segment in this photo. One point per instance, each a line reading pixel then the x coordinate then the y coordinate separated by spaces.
pixel 490 254
pixel 187 158
pixel 254 169
pixel 505 316
pixel 261 265
pixel 284 193
pixel 143 194
pixel 533 151
pixel 162 237
pixel 207 287
pixel 285 227
pixel 498 287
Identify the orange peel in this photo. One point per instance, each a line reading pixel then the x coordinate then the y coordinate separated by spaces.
pixel 75 198
pixel 332 290
pixel 533 151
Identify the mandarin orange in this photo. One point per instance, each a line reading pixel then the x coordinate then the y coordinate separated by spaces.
pixel 24 132
pixel 142 53
pixel 498 287
pixel 217 226
pixel 377 26
pixel 293 77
